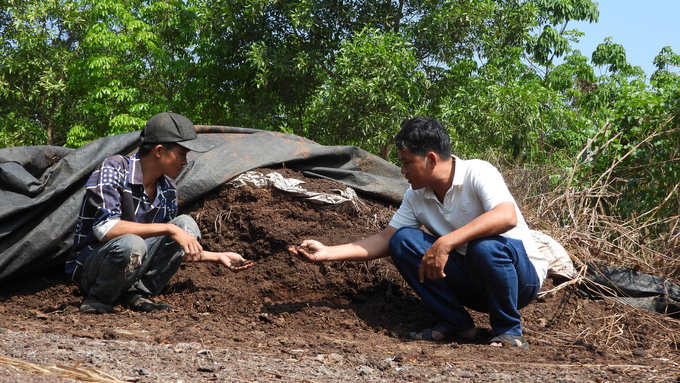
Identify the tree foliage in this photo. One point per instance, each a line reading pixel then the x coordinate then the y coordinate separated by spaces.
pixel 135 60
pixel 374 85
pixel 501 75
pixel 636 153
pixel 36 51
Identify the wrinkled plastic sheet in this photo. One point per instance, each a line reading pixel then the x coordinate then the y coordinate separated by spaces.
pixel 41 187
pixel 344 200
pixel 633 288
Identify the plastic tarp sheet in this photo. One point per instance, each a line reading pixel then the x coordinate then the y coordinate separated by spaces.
pixel 631 287
pixel 344 200
pixel 41 187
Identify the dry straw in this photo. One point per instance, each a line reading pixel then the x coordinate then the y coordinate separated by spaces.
pixel 578 214
pixel 83 374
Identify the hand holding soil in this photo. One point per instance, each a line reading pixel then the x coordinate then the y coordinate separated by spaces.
pixel 234 262
pixel 310 251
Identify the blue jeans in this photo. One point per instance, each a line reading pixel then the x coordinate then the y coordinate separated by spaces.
pixel 494 276
pixel 129 262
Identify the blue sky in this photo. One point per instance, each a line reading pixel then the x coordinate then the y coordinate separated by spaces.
pixel 643 27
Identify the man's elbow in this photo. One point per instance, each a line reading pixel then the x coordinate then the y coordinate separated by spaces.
pixel 511 222
pixel 509 216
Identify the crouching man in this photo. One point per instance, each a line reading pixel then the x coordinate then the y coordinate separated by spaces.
pixel 481 254
pixel 129 240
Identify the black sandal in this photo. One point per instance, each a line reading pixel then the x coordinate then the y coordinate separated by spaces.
pixel 512 339
pixel 427 333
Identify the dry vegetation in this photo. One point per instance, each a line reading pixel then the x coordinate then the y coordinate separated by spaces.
pixel 576 217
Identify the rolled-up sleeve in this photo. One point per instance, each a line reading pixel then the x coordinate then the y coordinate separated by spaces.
pixel 104 227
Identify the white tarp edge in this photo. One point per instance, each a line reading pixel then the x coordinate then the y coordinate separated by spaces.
pixel 345 199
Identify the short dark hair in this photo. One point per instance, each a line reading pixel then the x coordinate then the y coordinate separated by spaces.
pixel 146 148
pixel 421 135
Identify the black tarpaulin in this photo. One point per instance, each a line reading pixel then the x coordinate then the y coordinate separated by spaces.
pixel 632 287
pixel 41 187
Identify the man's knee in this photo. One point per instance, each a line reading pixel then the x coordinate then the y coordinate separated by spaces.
pixel 186 223
pixel 399 242
pixel 127 252
pixel 398 238
pixel 128 244
pixel 484 252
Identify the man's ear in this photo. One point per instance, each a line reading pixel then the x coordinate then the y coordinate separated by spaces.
pixel 158 150
pixel 433 159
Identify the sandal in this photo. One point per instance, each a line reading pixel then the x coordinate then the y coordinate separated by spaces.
pixel 512 339
pixel 427 333
pixel 142 303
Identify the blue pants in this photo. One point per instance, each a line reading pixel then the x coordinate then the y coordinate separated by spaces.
pixel 130 262
pixel 494 276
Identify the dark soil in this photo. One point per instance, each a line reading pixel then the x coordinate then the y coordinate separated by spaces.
pixel 286 320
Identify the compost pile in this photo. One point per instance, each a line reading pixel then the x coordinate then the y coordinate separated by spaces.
pixel 287 320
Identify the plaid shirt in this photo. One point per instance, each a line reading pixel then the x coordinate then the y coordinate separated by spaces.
pixel 115 191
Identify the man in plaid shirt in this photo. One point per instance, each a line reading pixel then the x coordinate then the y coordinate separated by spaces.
pixel 129 241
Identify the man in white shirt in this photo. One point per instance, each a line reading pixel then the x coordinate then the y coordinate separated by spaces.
pixel 480 253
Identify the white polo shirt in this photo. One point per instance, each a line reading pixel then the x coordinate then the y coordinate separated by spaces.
pixel 477 188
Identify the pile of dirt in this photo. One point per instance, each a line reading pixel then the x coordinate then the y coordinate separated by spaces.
pixel 287 320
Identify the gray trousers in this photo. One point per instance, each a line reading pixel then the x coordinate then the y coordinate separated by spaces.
pixel 130 263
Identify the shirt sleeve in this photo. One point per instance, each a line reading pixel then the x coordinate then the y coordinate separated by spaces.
pixel 103 228
pixel 103 194
pixel 405 215
pixel 489 186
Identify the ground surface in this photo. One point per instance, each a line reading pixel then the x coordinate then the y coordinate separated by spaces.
pixel 285 320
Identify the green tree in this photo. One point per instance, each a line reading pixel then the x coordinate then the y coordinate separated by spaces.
pixel 552 43
pixel 501 101
pixel 266 59
pixel 135 60
pixel 374 86
pixel 636 153
pixel 279 65
pixel 38 45
pixel 668 66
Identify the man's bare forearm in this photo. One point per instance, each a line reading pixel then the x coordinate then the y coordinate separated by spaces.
pixel 494 222
pixel 364 250
pixel 143 230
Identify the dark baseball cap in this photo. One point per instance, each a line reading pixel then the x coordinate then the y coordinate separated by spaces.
pixel 173 127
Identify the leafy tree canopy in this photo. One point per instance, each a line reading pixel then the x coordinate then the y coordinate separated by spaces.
pixel 349 72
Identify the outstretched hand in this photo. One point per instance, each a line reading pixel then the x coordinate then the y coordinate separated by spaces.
pixel 232 261
pixel 310 251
